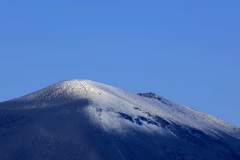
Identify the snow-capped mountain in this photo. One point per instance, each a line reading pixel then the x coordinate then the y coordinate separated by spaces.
pixel 82 119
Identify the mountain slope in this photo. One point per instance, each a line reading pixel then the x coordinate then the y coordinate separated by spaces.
pixel 81 119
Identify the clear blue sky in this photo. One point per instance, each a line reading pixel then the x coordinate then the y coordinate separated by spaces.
pixel 186 51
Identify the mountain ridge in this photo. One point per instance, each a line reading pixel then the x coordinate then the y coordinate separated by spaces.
pixel 113 112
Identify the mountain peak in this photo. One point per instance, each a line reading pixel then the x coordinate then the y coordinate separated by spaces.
pixel 63 91
pixel 69 85
pixel 77 119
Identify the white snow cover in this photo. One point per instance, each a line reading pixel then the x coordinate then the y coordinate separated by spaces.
pixel 82 119
pixel 107 102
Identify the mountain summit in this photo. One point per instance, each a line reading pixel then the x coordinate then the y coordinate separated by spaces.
pixel 82 119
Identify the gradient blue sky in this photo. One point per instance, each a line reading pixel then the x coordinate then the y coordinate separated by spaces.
pixel 186 51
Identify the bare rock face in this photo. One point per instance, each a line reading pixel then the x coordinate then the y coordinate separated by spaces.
pixel 150 95
pixel 82 119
